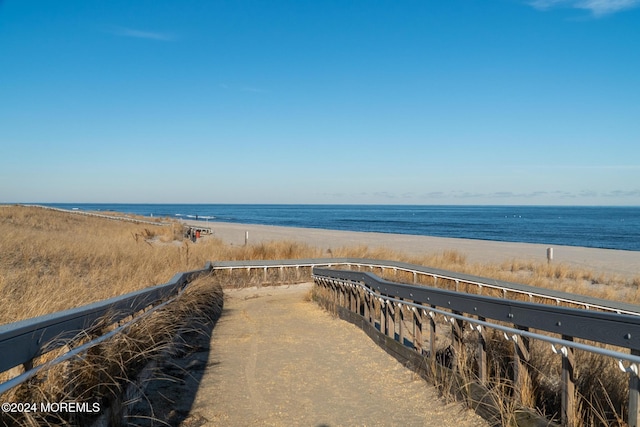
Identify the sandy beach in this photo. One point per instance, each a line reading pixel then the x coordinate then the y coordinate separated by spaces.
pixel 608 261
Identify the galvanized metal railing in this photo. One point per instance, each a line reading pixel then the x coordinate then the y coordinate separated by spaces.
pixel 21 342
pixel 438 277
pixel 519 321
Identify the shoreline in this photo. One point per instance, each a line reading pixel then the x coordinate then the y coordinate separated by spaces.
pixel 608 261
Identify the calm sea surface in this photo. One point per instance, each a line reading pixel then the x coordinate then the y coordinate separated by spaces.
pixel 599 227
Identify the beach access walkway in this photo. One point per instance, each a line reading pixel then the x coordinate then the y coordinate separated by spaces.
pixel 277 359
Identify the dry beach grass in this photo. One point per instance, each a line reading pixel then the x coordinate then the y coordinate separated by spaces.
pixel 54 260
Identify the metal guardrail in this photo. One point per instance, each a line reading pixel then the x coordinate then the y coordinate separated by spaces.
pixel 620 330
pixel 22 341
pixel 365 293
pixel 508 290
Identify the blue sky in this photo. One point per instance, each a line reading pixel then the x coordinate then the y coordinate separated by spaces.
pixel 407 102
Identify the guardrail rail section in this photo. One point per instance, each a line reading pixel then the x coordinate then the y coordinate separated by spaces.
pixel 390 306
pixel 21 342
pixel 520 312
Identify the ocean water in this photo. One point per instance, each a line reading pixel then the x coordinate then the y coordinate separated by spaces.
pixel 599 227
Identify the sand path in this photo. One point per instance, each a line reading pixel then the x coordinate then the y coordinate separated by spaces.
pixel 278 360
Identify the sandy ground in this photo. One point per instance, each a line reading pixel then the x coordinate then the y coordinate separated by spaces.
pixel 608 261
pixel 279 360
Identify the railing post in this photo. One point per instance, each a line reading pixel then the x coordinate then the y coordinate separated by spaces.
pixel 372 309
pixel 417 330
pixel 482 353
pixel 366 308
pixel 391 324
pixel 334 296
pixel 347 297
pixel 521 374
pixel 457 333
pixel 399 318
pixel 634 396
pixel 432 336
pixel 383 317
pixel 568 386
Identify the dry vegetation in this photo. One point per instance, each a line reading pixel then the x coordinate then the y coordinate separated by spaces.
pixel 52 261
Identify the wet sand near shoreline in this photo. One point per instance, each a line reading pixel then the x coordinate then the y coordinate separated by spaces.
pixel 608 261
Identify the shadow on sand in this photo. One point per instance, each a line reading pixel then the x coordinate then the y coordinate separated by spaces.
pixel 169 396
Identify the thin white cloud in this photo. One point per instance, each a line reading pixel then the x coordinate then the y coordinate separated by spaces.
pixel 622 193
pixel 596 7
pixel 578 167
pixel 140 34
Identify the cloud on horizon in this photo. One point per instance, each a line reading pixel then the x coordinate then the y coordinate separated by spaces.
pixel 140 34
pixel 596 7
pixel 530 197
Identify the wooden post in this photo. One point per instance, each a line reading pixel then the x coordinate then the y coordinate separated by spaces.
pixel 432 338
pixel 399 318
pixel 482 354
pixel 335 296
pixel 521 374
pixel 391 324
pixel 383 317
pixel 372 309
pixel 457 331
pixel 366 308
pixel 634 396
pixel 568 386
pixel 347 297
pixel 417 330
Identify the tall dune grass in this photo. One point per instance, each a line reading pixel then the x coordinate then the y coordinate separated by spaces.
pixel 53 260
